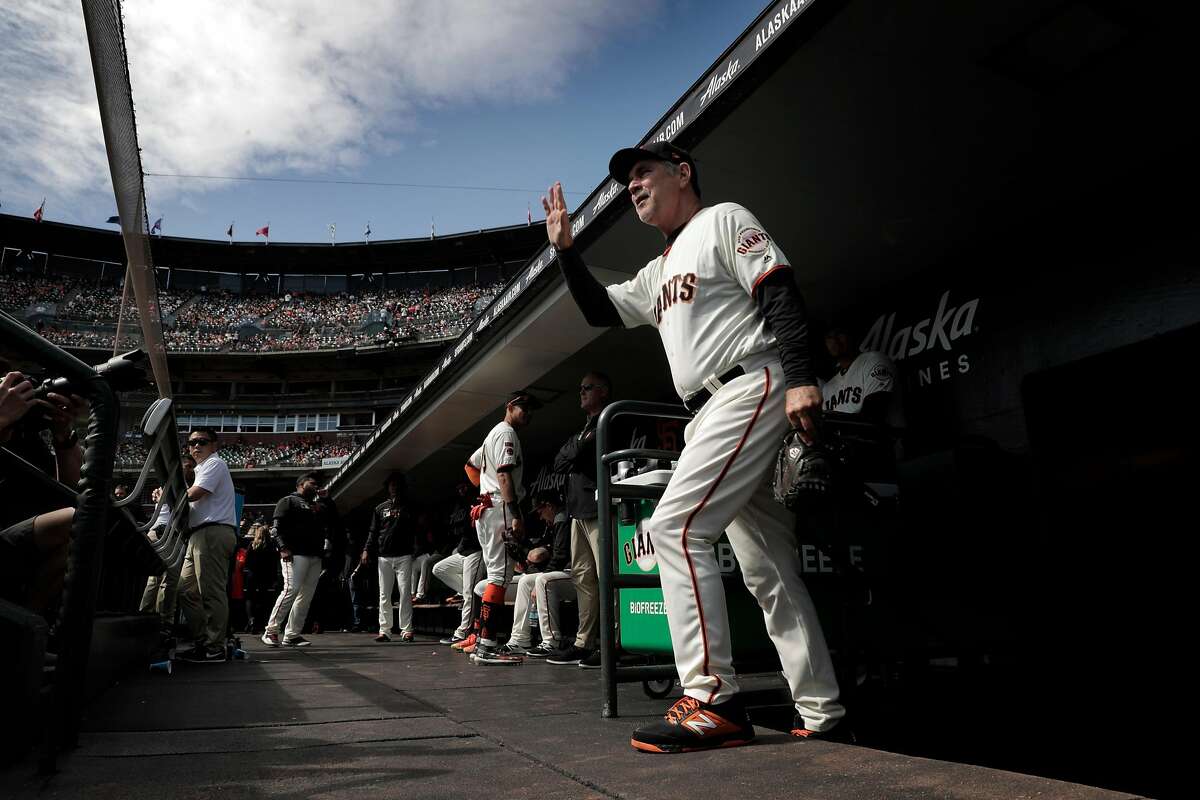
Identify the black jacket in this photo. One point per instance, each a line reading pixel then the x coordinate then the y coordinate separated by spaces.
pixel 577 460
pixel 559 537
pixel 462 529
pixel 393 530
pixel 298 526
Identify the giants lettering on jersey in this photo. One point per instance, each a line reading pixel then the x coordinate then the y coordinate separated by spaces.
pixel 676 289
pixel 850 394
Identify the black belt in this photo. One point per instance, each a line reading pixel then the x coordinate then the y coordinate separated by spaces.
pixel 697 401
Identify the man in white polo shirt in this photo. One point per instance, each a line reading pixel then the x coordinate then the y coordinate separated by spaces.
pixel 213 521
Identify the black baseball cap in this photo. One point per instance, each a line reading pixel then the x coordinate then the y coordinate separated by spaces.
pixel 545 496
pixel 522 397
pixel 623 160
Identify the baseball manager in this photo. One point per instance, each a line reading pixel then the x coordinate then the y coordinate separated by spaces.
pixel 732 322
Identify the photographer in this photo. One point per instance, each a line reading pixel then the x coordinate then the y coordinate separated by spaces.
pixel 33 550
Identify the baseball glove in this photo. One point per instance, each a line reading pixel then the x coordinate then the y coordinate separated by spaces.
pixel 802 471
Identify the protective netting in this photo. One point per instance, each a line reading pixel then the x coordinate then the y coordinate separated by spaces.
pixel 110 66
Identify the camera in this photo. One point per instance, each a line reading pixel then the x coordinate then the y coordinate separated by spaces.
pixel 124 373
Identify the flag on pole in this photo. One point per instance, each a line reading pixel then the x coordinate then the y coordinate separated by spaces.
pixel 37 215
pixel 229 233
pixel 332 234
pixel 528 214
pixel 432 229
pixel 367 232
pixel 115 219
pixel 264 231
pixel 157 227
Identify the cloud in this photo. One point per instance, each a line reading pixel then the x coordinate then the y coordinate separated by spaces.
pixel 254 88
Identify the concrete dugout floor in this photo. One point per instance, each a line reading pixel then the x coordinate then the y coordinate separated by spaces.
pixel 346 718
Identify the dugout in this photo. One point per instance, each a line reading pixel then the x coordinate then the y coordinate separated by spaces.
pixel 995 195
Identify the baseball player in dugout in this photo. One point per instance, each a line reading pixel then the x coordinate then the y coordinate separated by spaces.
pixel 391 540
pixel 863 384
pixel 724 300
pixel 498 516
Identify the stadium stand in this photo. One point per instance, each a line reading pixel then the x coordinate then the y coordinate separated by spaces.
pixel 78 313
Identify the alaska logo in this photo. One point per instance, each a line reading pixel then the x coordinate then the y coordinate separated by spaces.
pixel 605 196
pixel 751 240
pixel 676 289
pixel 947 325
pixel 718 82
pixel 777 23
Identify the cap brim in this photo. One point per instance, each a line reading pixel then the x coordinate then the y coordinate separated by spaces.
pixel 527 400
pixel 622 162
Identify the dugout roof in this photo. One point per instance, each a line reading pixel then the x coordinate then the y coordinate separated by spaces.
pixel 872 140
pixel 496 246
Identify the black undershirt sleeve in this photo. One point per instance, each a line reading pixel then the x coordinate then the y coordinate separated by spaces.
pixel 782 307
pixel 591 297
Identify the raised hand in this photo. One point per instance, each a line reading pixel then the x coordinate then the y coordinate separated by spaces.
pixel 558 220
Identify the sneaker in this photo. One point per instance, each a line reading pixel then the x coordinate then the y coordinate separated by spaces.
pixel 296 641
pixel 690 725
pixel 203 655
pixel 358 629
pixel 592 661
pixel 543 650
pixel 383 637
pixel 840 732
pixel 494 656
pixel 270 639
pixel 407 636
pixel 452 639
pixel 515 649
pixel 454 600
pixel 461 643
pixel 469 649
pixel 568 655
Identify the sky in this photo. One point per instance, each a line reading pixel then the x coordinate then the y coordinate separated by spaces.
pixel 501 94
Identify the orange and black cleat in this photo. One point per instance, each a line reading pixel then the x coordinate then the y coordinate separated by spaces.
pixel 840 732
pixel 690 725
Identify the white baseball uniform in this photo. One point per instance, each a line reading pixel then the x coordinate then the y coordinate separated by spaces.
pixel 501 451
pixel 869 373
pixel 699 294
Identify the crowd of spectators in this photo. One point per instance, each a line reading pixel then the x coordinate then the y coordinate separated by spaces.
pixel 302 451
pixel 221 321
pixel 18 291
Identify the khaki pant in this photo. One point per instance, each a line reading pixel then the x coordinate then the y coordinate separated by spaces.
pixel 203 592
pixel 585 547
pixel 159 596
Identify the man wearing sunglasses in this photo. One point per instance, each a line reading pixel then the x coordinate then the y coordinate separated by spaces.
pixel 213 521
pixel 577 460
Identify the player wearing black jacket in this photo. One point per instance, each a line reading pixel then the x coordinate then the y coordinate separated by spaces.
pixel 299 534
pixel 462 569
pixel 548 585
pixel 392 540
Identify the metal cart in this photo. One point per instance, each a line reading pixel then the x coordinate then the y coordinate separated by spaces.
pixel 631 593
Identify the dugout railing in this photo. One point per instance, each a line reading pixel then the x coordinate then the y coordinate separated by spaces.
pixel 99 525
